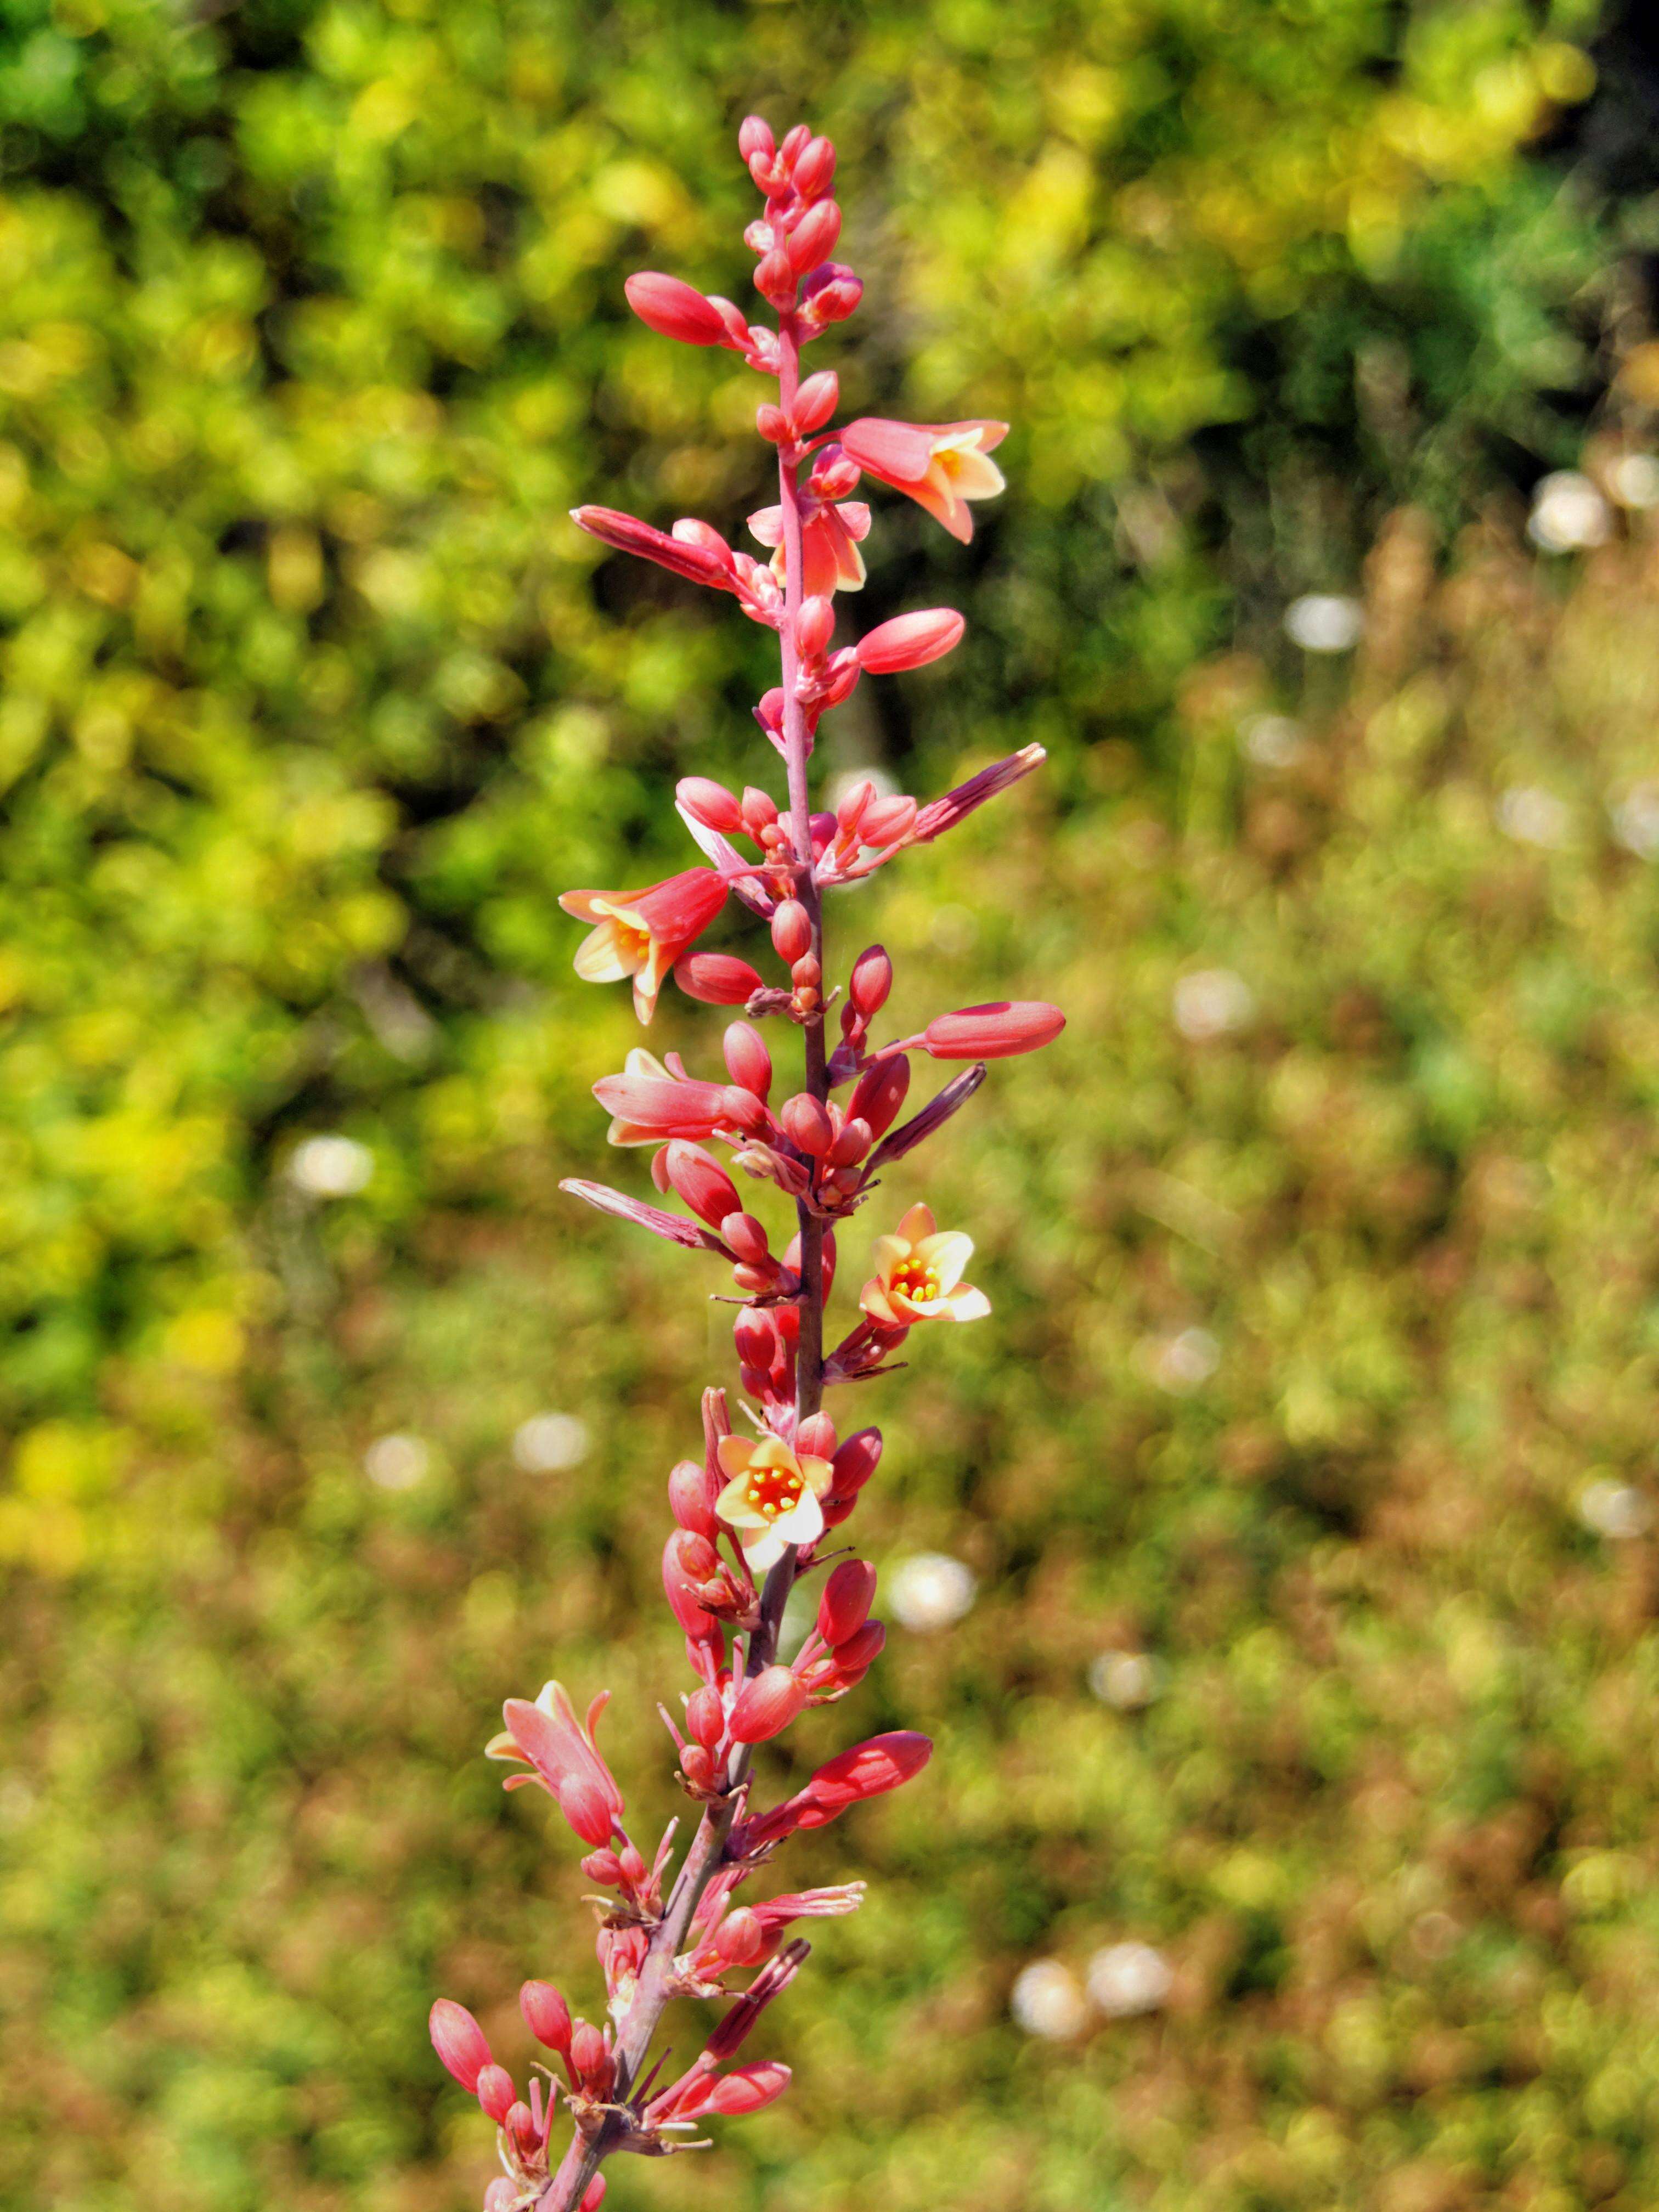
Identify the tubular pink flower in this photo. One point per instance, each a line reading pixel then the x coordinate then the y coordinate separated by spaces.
pixel 771 1497
pixel 994 1032
pixel 676 310
pixel 919 1275
pixel 642 934
pixel 548 1738
pixel 830 536
pixel 940 465
pixel 702 557
pixel 650 1103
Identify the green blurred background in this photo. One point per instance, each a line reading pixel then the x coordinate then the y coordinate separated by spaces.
pixel 1306 1469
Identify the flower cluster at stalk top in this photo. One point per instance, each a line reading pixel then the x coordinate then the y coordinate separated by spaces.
pixel 754 1512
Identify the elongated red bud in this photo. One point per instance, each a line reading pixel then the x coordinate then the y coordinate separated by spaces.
pixel 748 1062
pixel 459 2041
pixel 910 641
pixel 705 1717
pixel 814 626
pixel 792 930
pixel 746 1236
pixel 717 978
pixel 739 1939
pixel 871 980
pixel 594 2195
pixel 746 2088
pixel 775 279
pixel 815 403
pixel 813 238
pixel 815 169
pixel 698 1177
pixel 587 1806
pixel 755 137
pixel 845 1602
pixel 879 1093
pixel 766 1705
pixel 495 2093
pixel 604 1867
pixel 546 2015
pixel 691 1498
pixel 675 309
pixel 862 1648
pixel 806 1123
pixel 857 1459
pixel 590 2061
pixel 994 1032
pixel 709 803
pixel 796 140
pixel 772 423
pixel 743 1111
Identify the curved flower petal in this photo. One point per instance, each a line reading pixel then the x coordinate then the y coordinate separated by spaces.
pixel 947 1253
pixel 964 1303
pixel 918 1223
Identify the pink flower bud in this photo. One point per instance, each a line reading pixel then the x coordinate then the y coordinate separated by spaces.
pixel 814 626
pixel 674 310
pixel 760 810
pixel 806 974
pixel 830 294
pixel 546 2014
pixel 495 2093
pixel 847 1598
pixel 742 1110
pixel 746 1236
pixel 603 1867
pixel 739 1939
pixel 774 280
pixel 748 1062
pixel 870 1769
pixel 857 1459
pixel 755 137
pixel 910 641
pixel 887 820
pixel 701 562
pixel 879 1093
pixel 816 1435
pixel 861 1649
pixel 691 1498
pixel 792 930
pixel 594 2195
pixel 717 978
pixel 815 402
pixel 459 2041
pixel 709 803
pixel 746 2088
pixel 587 1806
pixel 633 1865
pixel 688 1561
pixel 871 980
pixel 796 140
pixel 815 169
pixel 813 238
pixel 698 1764
pixel 806 1123
pixel 994 1032
pixel 772 423
pixel 705 1717
pixel 698 1177
pixel 767 1703
pixel 589 2059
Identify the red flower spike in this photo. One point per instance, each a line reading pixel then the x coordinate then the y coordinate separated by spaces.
pixel 459 2041
pixel 910 641
pixel 994 1032
pixel 674 310
pixel 546 2016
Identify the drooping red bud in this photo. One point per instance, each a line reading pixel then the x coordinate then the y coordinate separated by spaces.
pixel 495 2093
pixel 691 1498
pixel 709 803
pixel 792 930
pixel 766 1705
pixel 459 2041
pixel 994 1032
pixel 717 978
pixel 845 1602
pixel 546 2015
pixel 674 309
pixel 871 980
pixel 910 641
pixel 748 1062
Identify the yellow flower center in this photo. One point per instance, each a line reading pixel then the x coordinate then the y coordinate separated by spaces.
pixel 774 1489
pixel 919 1284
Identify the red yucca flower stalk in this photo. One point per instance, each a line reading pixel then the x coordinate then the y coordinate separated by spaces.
pixel 753 1515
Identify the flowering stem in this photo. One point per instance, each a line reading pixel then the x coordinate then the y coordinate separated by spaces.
pixel 653 1989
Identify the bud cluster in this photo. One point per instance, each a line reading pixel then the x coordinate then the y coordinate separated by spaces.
pixel 752 1513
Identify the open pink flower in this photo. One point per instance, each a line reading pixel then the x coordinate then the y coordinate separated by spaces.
pixel 919 1275
pixel 642 934
pixel 771 1496
pixel 941 465
pixel 829 535
pixel 548 1737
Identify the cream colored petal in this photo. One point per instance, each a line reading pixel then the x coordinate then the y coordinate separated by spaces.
pixel 886 1253
pixel 734 1454
pixel 803 1523
pixel 874 1301
pixel 918 1223
pixel 602 956
pixel 965 1303
pixel 976 475
pixel 947 1253
pixel 641 1062
pixel 733 1507
pixel 765 1552
pixel 820 1476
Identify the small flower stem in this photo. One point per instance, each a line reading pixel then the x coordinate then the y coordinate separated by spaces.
pixel 652 1992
